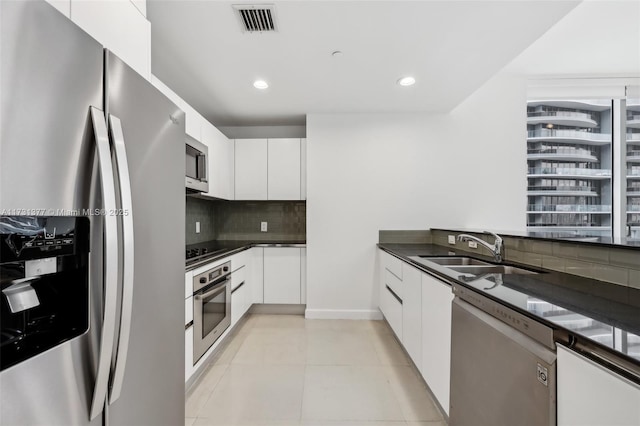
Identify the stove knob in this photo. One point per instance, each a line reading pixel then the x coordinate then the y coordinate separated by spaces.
pixel 203 280
pixel 225 269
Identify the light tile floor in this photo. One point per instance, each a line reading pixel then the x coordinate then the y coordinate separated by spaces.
pixel 286 370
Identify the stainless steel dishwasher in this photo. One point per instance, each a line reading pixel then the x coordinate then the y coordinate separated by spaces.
pixel 503 365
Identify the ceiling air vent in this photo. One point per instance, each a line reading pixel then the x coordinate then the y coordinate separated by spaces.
pixel 256 18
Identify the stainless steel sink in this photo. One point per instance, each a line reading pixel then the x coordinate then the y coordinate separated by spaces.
pixel 491 269
pixel 455 261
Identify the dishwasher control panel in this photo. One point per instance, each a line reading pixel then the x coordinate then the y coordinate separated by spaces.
pixel 524 324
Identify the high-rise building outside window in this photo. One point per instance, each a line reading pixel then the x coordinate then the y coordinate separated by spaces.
pixel 569 156
pixel 583 175
pixel 632 153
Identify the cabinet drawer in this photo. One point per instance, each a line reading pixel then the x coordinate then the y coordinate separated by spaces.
pixel 238 277
pixel 393 282
pixel 392 310
pixel 392 264
pixel 239 260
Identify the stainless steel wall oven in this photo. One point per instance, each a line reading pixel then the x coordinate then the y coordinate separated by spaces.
pixel 211 307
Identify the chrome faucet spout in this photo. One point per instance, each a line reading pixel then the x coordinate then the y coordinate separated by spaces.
pixel 495 248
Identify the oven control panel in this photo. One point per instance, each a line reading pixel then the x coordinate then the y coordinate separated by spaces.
pixel 212 275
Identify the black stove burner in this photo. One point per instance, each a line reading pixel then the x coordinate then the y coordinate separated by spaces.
pixel 201 251
pixel 196 252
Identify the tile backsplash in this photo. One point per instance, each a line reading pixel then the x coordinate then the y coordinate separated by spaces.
pixel 199 211
pixel 240 220
pixel 614 264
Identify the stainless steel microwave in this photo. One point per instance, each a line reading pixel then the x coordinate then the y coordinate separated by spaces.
pixel 196 166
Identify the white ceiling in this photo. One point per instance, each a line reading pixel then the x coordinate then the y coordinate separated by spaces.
pixel 597 39
pixel 450 47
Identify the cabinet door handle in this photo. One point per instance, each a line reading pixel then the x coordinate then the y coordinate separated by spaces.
pixel 394 294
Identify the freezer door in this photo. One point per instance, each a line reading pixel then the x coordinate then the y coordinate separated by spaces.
pixel 51 74
pixel 152 129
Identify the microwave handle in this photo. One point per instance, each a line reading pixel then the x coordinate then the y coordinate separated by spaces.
pixel 202 167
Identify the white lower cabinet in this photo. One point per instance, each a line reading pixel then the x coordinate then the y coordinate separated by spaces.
pixel 591 395
pixel 412 313
pixel 390 288
pixel 303 276
pixel 391 307
pixel 418 309
pixel 188 353
pixel 257 274
pixel 240 301
pixel 436 337
pixel 282 275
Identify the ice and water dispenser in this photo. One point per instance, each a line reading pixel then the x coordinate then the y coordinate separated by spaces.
pixel 44 278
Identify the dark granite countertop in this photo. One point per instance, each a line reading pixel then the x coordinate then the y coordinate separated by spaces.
pixel 607 315
pixel 222 248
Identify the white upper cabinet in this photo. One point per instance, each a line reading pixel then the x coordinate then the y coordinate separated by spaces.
pixel 120 27
pixel 251 169
pixel 269 169
pixel 194 122
pixel 141 5
pixel 64 6
pixel 283 164
pixel 221 162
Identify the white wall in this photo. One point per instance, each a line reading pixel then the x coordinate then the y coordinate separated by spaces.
pixel 466 169
pixel 367 172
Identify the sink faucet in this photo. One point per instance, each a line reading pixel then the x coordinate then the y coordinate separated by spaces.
pixel 495 248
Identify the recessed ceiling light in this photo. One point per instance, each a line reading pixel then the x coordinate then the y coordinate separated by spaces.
pixel 336 53
pixel 407 81
pixel 260 84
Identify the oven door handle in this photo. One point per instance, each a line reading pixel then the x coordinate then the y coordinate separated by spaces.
pixel 213 290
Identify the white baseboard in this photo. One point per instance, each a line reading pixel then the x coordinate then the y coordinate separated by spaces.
pixel 352 314
pixel 276 309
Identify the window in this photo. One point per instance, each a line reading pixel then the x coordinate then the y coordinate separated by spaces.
pixel 583 178
pixel 632 153
pixel 569 153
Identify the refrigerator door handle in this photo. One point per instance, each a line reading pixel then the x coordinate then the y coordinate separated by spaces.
pixel 110 262
pixel 117 135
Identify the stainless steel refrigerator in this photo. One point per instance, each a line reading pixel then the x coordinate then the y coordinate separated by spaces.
pixel 83 135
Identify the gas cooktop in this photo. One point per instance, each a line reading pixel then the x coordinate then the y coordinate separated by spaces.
pixel 200 251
